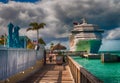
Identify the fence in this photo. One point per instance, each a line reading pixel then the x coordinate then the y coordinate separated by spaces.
pixel 80 74
pixel 13 61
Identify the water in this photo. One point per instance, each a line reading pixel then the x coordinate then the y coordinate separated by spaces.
pixel 107 72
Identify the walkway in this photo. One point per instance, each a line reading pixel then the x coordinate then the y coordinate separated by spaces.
pixel 51 73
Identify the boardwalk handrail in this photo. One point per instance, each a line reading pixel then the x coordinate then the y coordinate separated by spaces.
pixel 80 74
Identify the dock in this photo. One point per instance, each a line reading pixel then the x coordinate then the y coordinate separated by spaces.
pixel 51 73
pixel 32 69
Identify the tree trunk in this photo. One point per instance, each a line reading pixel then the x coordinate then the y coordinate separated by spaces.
pixel 37 36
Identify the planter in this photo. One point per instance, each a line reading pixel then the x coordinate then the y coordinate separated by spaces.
pixel 59 60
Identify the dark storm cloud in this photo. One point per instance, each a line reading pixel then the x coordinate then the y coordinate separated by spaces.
pixel 9 13
pixel 104 13
pixel 59 15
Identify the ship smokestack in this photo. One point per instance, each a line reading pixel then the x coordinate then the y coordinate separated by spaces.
pixel 75 23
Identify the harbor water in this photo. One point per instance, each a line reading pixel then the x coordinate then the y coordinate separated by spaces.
pixel 107 72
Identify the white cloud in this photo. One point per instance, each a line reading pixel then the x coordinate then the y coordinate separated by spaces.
pixel 56 14
pixel 113 34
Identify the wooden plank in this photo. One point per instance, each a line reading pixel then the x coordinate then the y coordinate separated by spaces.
pixel 51 73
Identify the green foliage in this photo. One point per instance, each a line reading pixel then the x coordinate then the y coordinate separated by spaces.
pixel 30 46
pixel 51 46
pixel 36 26
pixel 3 39
pixel 41 41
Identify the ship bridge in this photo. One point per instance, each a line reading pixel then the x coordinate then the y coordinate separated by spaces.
pixel 86 30
pixel 86 27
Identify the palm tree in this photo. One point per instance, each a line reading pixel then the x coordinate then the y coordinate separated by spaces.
pixel 36 26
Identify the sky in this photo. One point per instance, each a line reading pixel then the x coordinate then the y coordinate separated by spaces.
pixel 110 45
pixel 59 16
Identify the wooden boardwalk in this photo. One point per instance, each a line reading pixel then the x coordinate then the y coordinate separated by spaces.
pixel 51 73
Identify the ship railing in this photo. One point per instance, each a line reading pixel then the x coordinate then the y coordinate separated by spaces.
pixel 80 74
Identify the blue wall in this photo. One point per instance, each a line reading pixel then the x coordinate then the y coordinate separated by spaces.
pixel 13 61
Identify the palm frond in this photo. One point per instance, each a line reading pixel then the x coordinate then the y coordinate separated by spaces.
pixel 29 29
pixel 41 25
pixel 41 41
pixel 33 24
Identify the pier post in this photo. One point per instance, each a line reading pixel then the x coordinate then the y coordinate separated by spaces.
pixel 44 57
pixel 109 58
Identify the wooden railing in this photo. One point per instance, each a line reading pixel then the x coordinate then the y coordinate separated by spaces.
pixel 80 74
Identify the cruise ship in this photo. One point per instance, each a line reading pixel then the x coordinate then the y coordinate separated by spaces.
pixel 85 37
